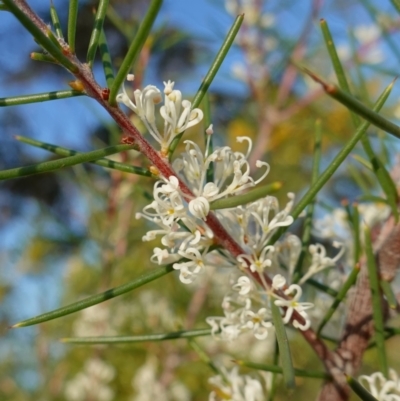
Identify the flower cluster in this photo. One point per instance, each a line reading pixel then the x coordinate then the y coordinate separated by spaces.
pixel 247 309
pixel 187 241
pixel 176 113
pixel 244 310
pixel 185 236
pixel 380 387
pixel 231 174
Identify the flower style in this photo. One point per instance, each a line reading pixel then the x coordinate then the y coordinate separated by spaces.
pixel 292 304
pixel 319 259
pixel 231 174
pixel 380 387
pixel 258 221
pixel 177 113
pixel 256 229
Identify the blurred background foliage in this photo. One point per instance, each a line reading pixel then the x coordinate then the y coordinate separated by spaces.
pixel 73 233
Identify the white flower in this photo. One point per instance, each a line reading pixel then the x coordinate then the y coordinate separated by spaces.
pixel 367 33
pixel 189 270
pixel 380 387
pixel 177 113
pixel 231 171
pixel 176 121
pixel 373 213
pixel 292 304
pixel 234 387
pixel 199 207
pixel 320 261
pixel 368 36
pixel 278 282
pixel 230 326
pixel 144 105
pixel 91 382
pixel 267 20
pixel 163 257
pixel 258 322
pixel 168 204
pixel 241 314
pixel 244 285
pixel 257 263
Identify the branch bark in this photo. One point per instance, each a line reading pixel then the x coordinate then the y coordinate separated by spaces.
pixel 359 327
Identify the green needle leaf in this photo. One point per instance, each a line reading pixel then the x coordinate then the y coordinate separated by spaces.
pixel 383 176
pixel 219 58
pixel 337 65
pixel 137 339
pixel 135 48
pixel 43 57
pixel 389 294
pixel 339 298
pixel 355 105
pixel 72 20
pixel 98 298
pixel 363 161
pixel 389 333
pixel 97 29
pixel 372 198
pixel 24 17
pixel 376 304
pixel 38 97
pixel 106 59
pixel 306 237
pixel 396 5
pixel 122 26
pixel 322 287
pixel 360 390
pixel 278 369
pixel 355 225
pixel 284 349
pixel 250 196
pixel 55 20
pixel 126 168
pixel 273 383
pixel 207 139
pixel 216 64
pixel 204 357
pixel 61 163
